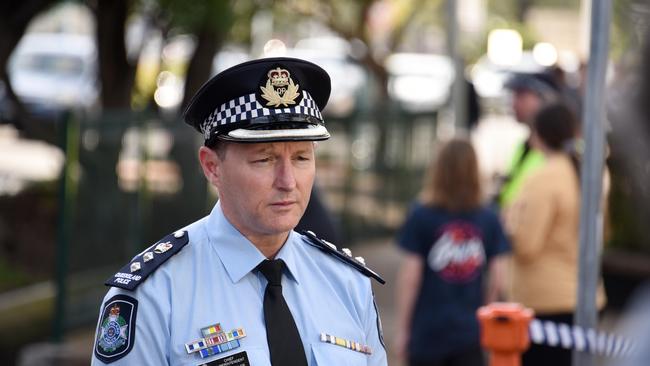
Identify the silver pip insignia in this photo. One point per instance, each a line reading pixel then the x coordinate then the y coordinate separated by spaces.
pixel 135 266
pixel 147 257
pixel 163 247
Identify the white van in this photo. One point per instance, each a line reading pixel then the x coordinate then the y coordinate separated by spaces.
pixel 52 72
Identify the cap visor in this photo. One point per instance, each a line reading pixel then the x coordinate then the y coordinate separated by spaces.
pixel 311 133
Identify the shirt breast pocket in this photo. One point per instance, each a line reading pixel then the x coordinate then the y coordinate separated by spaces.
pixel 326 354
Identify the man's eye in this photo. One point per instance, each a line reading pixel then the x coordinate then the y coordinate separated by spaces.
pixel 262 160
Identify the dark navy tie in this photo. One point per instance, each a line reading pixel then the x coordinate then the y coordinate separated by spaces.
pixel 285 345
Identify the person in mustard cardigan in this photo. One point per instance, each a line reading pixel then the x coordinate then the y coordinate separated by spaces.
pixel 543 224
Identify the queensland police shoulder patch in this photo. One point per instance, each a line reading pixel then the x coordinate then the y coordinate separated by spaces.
pixel 116 330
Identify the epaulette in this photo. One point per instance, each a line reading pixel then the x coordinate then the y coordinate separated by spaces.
pixel 345 255
pixel 144 264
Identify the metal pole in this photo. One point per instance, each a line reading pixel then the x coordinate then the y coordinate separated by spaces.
pixel 458 92
pixel 591 218
pixel 68 139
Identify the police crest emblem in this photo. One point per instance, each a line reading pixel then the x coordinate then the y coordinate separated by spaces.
pixel 116 329
pixel 280 89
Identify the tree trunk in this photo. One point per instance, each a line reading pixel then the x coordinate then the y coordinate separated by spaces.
pixel 381 109
pixel 209 41
pixel 380 72
pixel 116 73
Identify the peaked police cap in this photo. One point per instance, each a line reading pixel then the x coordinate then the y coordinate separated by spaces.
pixel 264 100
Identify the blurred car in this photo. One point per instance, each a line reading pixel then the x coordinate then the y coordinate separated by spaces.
pixel 54 72
pixel 420 83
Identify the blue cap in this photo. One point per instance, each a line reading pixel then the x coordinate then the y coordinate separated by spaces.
pixel 539 83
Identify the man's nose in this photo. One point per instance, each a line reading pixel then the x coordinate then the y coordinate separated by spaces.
pixel 285 178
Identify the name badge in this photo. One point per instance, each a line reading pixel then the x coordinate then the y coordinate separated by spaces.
pixel 238 359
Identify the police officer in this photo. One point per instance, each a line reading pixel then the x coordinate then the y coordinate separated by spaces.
pixel 240 287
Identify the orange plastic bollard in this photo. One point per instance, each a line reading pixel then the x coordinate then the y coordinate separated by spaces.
pixel 504 332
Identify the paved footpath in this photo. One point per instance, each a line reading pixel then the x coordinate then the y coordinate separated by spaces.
pixel 383 257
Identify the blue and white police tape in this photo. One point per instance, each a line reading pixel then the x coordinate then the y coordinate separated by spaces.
pixel 584 340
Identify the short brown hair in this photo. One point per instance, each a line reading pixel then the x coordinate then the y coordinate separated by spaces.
pixel 453 179
pixel 219 147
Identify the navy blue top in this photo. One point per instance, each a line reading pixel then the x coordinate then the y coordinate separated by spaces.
pixel 456 248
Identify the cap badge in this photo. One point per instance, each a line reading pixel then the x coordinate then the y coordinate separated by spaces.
pixel 280 88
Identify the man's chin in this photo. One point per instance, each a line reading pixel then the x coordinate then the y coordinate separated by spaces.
pixel 281 224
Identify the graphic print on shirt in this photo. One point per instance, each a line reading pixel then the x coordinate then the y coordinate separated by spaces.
pixel 458 253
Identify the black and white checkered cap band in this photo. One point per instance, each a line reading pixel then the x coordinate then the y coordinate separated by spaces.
pixel 247 107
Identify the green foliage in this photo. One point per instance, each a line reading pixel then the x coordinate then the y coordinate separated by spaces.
pixel 502 8
pixel 228 17
pixel 571 4
pixel 348 13
pixel 243 12
pixel 191 18
pixel 508 8
pixel 625 21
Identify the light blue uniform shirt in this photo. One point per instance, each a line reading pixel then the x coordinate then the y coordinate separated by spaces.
pixel 213 280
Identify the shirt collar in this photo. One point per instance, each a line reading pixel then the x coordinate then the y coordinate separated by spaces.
pixel 288 254
pixel 238 255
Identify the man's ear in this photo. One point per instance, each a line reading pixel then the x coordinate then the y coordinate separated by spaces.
pixel 210 163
